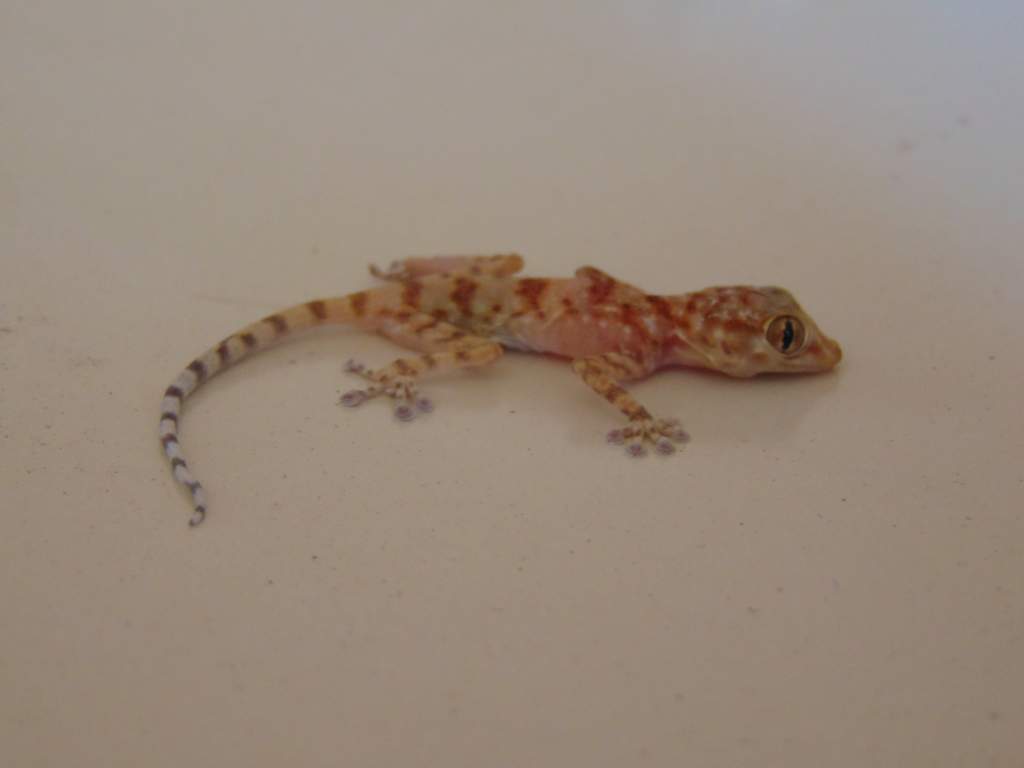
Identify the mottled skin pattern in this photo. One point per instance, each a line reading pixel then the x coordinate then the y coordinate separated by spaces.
pixel 463 311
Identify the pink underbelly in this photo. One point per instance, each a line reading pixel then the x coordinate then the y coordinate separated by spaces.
pixel 576 336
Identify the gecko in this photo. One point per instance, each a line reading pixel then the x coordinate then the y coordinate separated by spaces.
pixel 464 311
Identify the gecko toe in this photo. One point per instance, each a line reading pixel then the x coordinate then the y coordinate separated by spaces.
pixel 664 446
pixel 424 404
pixel 354 366
pixel 678 435
pixel 636 450
pixel 616 437
pixel 404 412
pixel 671 429
pixel 354 397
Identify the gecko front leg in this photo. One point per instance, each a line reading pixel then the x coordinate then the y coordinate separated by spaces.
pixel 602 373
pixel 443 346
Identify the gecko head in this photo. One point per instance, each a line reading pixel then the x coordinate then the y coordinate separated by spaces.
pixel 743 331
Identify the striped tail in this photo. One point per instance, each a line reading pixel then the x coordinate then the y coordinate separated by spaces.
pixel 233 349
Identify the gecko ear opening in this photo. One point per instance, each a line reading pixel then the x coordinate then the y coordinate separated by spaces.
pixel 786 334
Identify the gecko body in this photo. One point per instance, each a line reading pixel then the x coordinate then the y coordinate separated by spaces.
pixel 464 311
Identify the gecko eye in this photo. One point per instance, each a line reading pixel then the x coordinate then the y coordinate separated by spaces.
pixel 786 334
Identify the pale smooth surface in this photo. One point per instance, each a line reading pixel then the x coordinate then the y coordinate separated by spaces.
pixel 830 575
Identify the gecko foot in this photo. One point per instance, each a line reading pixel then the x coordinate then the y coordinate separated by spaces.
pixel 395 271
pixel 408 402
pixel 663 434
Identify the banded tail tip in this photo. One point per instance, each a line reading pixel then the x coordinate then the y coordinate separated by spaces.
pixel 197 517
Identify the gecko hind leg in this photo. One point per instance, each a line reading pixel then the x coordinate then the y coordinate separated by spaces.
pixel 443 347
pixel 602 373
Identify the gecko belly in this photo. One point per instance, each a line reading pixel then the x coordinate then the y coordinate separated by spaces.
pixel 579 335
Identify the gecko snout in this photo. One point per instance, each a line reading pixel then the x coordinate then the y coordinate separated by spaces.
pixel 827 353
pixel 837 352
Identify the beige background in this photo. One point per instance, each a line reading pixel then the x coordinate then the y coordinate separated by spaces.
pixel 831 575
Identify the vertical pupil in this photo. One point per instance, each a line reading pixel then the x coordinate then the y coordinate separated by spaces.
pixel 787 335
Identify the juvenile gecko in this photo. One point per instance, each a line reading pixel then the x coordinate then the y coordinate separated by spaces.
pixel 462 311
